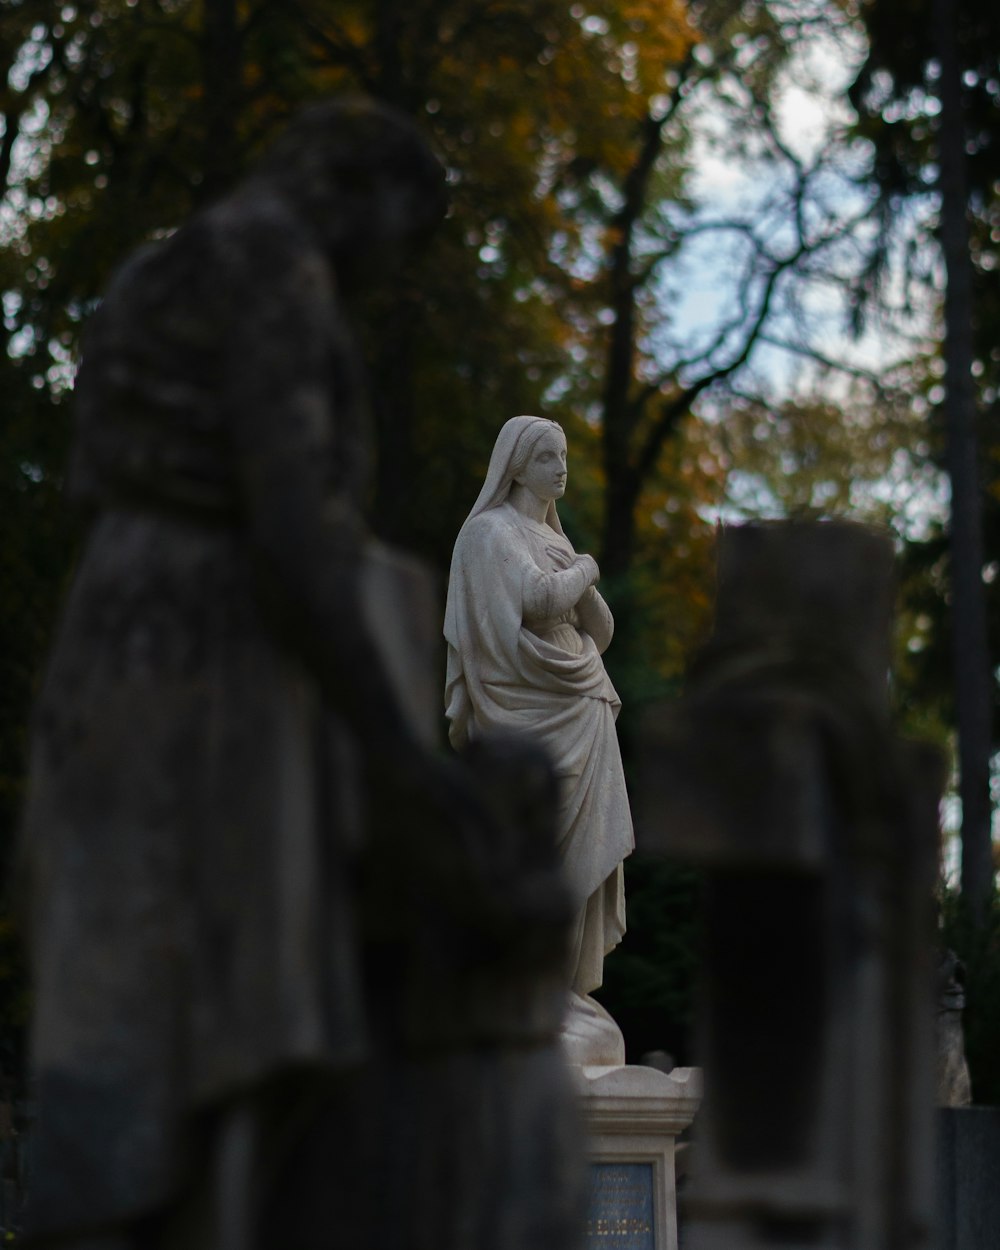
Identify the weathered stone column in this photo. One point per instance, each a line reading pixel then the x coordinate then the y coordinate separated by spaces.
pixel 816 825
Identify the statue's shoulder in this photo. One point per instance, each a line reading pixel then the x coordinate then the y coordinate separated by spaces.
pixel 262 234
pixel 259 256
pixel 492 528
pixel 229 244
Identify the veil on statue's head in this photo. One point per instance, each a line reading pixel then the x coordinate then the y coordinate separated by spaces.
pixel 511 453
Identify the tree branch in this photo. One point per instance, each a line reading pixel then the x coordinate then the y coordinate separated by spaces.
pixel 680 404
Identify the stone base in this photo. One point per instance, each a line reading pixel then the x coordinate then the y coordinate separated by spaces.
pixel 633 1116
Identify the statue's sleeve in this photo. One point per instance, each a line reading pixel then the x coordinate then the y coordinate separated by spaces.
pixel 596 619
pixel 548 595
pixel 288 397
pixel 496 588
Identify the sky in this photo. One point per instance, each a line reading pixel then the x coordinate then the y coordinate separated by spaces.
pixel 746 181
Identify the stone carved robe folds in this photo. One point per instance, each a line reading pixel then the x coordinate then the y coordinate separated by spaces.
pixel 187 842
pixel 517 666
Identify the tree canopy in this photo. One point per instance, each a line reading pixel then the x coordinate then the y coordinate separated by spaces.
pixel 584 242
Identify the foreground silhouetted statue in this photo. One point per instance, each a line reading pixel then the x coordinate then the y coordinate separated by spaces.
pixel 240 959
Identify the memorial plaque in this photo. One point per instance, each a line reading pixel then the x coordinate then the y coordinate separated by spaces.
pixel 621 1214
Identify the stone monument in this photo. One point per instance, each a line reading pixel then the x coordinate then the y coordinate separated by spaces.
pixel 234 805
pixel 526 628
pixel 816 827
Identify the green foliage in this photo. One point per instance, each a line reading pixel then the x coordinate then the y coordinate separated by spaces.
pixel 922 668
pixel 910 120
pixel 897 96
pixel 978 947
pixel 35 554
pixel 650 982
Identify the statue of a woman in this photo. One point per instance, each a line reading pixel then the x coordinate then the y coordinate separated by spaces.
pixel 526 629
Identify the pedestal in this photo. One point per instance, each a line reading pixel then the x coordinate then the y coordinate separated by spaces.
pixel 633 1116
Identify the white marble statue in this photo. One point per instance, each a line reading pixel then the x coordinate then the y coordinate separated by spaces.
pixel 526 628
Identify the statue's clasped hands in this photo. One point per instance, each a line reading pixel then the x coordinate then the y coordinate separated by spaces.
pixel 564 560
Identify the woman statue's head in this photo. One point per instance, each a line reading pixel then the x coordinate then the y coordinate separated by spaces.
pixel 512 452
pixel 527 437
pixel 542 479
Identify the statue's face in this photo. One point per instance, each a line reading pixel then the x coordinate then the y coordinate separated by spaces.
pixel 545 473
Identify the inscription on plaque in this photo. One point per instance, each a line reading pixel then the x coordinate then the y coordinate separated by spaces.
pixel 621 1207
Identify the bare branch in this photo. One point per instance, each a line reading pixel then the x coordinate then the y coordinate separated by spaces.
pixel 876 380
pixel 679 405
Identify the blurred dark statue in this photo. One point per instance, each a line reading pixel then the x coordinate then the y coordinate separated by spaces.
pixel 239 851
pixel 782 776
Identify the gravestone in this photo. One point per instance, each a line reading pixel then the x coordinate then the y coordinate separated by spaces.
pixel 622 1210
pixel 634 1116
pixel 780 775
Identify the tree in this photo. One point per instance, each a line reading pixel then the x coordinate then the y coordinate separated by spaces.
pixel 973 696
pixel 641 230
pixel 129 115
pixel 929 103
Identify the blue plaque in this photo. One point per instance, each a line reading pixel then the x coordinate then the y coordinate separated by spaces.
pixel 621 1207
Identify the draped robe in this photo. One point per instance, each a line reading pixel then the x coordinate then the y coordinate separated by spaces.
pixel 515 668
